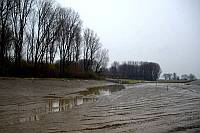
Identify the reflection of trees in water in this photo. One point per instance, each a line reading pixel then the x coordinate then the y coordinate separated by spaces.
pixel 61 104
pixel 104 92
pixel 24 116
pixel 100 91
pixel 57 105
pixel 31 118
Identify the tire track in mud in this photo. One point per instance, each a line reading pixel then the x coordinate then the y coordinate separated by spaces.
pixel 145 107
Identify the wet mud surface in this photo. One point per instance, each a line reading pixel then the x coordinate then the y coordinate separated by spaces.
pixel 140 108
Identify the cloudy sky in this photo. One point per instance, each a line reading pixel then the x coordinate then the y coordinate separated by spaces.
pixel 162 31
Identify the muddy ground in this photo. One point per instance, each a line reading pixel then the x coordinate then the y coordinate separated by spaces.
pixel 54 106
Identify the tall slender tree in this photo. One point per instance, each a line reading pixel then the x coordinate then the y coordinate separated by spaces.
pixel 91 45
pixel 20 12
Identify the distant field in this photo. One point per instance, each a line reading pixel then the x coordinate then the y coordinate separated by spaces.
pixel 125 81
pixel 129 81
pixel 173 81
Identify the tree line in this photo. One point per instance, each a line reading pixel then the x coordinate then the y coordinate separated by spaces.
pixel 135 70
pixel 174 76
pixel 40 38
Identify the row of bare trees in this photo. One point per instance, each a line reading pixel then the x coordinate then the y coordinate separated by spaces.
pixel 135 70
pixel 174 76
pixel 39 32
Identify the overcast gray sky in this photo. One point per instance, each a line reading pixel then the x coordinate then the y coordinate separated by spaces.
pixel 162 31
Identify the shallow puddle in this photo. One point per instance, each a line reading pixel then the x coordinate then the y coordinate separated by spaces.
pixel 55 103
pixel 61 104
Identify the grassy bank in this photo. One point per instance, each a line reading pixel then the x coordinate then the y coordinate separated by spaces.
pixel 170 81
pixel 124 81
pixel 129 81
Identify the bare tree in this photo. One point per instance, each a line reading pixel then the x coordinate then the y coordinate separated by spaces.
pixel 170 76
pixel 101 60
pixel 174 76
pixel 5 29
pixel 192 77
pixel 114 69
pixel 20 11
pixel 91 45
pixel 136 70
pixel 76 47
pixel 165 75
pixel 184 77
pixel 42 33
pixel 37 31
pixel 188 77
pixel 31 37
pixel 69 37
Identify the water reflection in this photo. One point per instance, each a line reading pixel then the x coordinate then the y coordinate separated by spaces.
pixel 61 104
pixel 100 91
pixel 30 118
pixel 57 104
